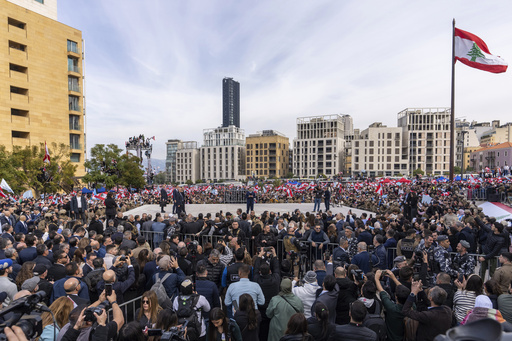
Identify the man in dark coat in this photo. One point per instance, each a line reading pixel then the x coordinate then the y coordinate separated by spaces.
pixel 249 196
pixel 79 206
pixel 163 199
pixel 179 200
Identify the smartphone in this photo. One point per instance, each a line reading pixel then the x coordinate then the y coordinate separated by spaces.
pixel 108 289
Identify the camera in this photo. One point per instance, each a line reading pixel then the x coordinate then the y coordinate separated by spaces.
pixel 358 274
pixel 267 249
pixel 173 334
pixel 89 312
pixel 22 315
pixel 122 258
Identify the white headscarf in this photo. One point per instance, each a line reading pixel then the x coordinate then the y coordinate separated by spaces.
pixel 482 301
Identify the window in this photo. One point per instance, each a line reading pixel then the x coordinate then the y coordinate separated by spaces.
pixel 73 84
pixel 40 1
pixel 74 122
pixel 17 68
pixel 16 23
pixel 18 112
pixel 72 46
pixel 75 157
pixel 20 134
pixel 73 64
pixel 73 103
pixel 74 141
pixel 17 46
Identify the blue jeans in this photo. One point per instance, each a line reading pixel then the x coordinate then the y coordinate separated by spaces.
pixel 317 204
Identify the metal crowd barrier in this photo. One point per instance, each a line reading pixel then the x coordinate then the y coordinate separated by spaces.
pixel 235 196
pixel 128 308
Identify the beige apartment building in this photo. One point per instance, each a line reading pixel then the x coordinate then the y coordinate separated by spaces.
pixel 267 154
pixel 41 82
pixel 378 151
pixel 187 162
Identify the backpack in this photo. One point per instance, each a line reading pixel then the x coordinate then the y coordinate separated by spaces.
pixel 159 289
pixel 376 323
pixel 187 311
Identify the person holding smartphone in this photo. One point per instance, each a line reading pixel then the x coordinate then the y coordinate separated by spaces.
pixel 110 281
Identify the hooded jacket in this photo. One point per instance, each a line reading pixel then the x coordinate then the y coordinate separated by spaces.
pixel 307 294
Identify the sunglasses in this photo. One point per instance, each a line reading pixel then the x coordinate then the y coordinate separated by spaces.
pixel 145 301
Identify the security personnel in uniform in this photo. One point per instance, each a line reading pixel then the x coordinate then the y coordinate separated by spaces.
pixel 405 247
pixel 442 257
pixel 463 262
pixel 230 273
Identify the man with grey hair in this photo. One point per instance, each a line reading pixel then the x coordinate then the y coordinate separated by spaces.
pixel 364 260
pixel 172 280
pixel 214 266
pixel 434 321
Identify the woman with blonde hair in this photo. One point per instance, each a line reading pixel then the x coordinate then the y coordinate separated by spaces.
pixel 147 314
pixel 82 244
pixel 61 308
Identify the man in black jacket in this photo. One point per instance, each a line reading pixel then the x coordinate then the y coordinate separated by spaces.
pixel 268 276
pixel 347 293
pixel 355 331
pixel 163 199
pixel 79 206
pixel 495 242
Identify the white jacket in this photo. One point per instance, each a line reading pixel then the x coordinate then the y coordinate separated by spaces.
pixel 307 295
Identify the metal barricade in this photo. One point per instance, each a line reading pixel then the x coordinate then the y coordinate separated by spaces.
pixel 234 196
pixel 128 308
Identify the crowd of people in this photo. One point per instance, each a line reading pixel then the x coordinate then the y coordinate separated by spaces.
pixel 297 275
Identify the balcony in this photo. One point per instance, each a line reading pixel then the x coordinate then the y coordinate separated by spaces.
pixel 73 68
pixel 18 76
pixel 75 126
pixel 20 122
pixel 75 146
pixel 21 141
pixel 75 108
pixel 17 55
pixel 19 98
pixel 18 34
pixel 74 88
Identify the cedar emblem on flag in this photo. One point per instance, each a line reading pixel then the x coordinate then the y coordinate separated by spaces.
pixel 472 51
pixel 46 154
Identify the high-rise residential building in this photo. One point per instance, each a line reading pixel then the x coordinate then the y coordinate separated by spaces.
pixel 319 146
pixel 170 160
pixel 230 103
pixel 187 162
pixel 377 151
pixel 41 79
pixel 267 154
pixel 223 154
pixel 427 131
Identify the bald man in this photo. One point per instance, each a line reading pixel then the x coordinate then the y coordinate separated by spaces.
pixel 109 277
pixel 72 287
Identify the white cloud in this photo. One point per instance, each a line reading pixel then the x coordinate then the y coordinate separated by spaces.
pixel 155 67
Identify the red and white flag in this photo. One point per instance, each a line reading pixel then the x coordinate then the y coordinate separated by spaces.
pixel 379 190
pixel 472 51
pixel 46 153
pixel 2 194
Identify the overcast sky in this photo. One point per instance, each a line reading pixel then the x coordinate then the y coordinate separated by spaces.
pixel 156 66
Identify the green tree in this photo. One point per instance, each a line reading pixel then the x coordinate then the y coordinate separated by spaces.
pixel 418 171
pixel 109 166
pixel 456 169
pixel 289 175
pixel 199 181
pixel 189 182
pixel 475 52
pixel 23 169
pixel 160 178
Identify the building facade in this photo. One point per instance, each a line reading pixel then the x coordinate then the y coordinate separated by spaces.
pixel 187 162
pixel 222 155
pixel 171 147
pixel 267 154
pixel 230 103
pixel 377 151
pixel 319 146
pixel 493 157
pixel 427 132
pixel 42 81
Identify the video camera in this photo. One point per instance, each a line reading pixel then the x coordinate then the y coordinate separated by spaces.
pixel 301 246
pixel 173 334
pixel 358 274
pixel 21 310
pixel 89 312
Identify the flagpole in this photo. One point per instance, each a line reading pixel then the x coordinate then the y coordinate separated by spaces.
pixel 452 109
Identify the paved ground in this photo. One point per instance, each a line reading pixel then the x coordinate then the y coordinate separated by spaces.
pixel 258 208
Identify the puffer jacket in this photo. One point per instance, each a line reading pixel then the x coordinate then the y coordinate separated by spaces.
pixel 307 295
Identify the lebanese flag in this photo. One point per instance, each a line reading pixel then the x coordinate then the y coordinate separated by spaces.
pixel 472 51
pixel 379 190
pixel 46 153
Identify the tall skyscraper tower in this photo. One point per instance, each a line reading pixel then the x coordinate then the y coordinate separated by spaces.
pixel 230 103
